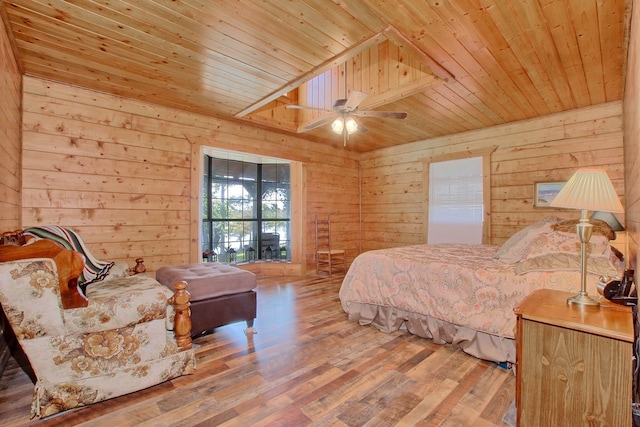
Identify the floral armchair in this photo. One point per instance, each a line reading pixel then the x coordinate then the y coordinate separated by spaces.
pixel 118 335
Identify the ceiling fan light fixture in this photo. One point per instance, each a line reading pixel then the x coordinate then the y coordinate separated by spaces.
pixel 351 125
pixel 345 110
pixel 338 125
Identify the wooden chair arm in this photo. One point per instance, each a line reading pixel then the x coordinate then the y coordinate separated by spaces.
pixel 68 263
pixel 182 316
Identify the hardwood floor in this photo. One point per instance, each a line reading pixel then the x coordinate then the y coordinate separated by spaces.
pixel 306 366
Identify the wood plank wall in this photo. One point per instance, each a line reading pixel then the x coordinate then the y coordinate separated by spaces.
pixel 549 148
pixel 123 173
pixel 10 94
pixel 632 140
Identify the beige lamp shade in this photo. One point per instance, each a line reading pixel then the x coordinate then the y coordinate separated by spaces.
pixel 591 190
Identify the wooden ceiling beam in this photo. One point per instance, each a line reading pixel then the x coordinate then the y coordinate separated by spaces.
pixel 327 65
pixel 399 93
pixel 396 37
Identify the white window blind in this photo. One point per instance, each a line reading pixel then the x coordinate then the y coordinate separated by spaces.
pixel 455 201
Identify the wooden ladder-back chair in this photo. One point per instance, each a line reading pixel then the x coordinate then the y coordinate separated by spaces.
pixel 328 258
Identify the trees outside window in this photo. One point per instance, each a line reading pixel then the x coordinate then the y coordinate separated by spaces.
pixel 246 206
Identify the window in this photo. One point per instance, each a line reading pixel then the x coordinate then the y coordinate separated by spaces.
pixel 246 212
pixel 456 208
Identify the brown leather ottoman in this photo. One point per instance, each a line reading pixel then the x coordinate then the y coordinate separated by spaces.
pixel 220 294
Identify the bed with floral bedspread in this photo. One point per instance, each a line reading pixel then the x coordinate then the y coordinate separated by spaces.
pixel 465 294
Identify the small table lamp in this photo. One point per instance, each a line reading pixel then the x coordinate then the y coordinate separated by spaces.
pixel 587 190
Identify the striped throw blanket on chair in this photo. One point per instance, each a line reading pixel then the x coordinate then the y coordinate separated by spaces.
pixel 94 270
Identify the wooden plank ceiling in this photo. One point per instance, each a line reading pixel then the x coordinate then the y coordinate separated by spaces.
pixel 452 65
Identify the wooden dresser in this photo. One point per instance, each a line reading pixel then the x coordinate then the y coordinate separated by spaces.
pixel 574 365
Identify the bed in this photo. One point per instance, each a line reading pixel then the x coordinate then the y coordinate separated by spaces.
pixel 465 294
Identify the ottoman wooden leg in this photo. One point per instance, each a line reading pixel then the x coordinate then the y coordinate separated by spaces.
pixel 249 330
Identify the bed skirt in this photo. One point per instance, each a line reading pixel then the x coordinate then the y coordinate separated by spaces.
pixel 479 344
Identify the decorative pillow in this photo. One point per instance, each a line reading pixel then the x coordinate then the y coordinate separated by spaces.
pixel 94 270
pixel 514 248
pixel 602 265
pixel 556 242
pixel 597 227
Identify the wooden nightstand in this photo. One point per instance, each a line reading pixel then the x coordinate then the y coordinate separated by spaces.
pixel 574 365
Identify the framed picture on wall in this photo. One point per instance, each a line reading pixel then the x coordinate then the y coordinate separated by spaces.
pixel 544 193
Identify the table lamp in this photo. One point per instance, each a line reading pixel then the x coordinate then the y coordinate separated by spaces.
pixel 587 190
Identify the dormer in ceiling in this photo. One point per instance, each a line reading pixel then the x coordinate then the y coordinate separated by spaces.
pixel 387 67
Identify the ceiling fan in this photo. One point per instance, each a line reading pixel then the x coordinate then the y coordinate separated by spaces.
pixel 345 110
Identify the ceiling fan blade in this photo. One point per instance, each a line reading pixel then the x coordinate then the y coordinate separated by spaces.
pixel 382 114
pixel 318 122
pixel 355 98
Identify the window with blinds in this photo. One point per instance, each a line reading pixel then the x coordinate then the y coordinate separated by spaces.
pixel 455 201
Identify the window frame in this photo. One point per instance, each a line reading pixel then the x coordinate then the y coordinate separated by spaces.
pixel 257 221
pixel 486 186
